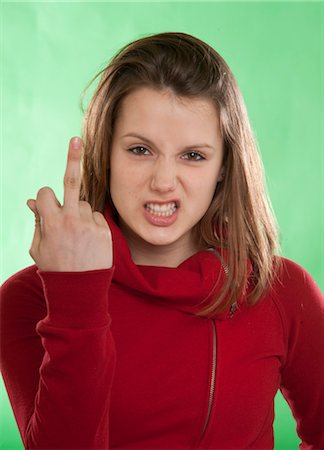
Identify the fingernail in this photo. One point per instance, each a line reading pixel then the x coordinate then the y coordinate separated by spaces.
pixel 76 143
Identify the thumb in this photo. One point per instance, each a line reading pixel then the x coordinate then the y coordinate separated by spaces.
pixel 31 205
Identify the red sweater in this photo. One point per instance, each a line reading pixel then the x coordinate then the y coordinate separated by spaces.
pixel 117 359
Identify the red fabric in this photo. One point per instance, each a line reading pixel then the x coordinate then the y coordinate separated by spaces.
pixel 117 359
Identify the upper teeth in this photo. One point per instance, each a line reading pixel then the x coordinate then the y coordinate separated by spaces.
pixel 166 209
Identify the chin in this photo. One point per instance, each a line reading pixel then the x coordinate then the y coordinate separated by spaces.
pixel 164 237
pixel 159 240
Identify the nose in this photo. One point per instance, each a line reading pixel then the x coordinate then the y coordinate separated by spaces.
pixel 164 177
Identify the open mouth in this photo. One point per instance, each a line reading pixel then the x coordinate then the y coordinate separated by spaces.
pixel 164 210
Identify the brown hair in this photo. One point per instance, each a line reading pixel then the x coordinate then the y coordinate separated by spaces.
pixel 239 222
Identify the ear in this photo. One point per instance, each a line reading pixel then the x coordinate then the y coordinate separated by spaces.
pixel 221 175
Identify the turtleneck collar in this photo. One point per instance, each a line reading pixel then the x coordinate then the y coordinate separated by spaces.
pixel 187 288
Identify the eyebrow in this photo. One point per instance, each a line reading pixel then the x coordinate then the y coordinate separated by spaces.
pixel 143 138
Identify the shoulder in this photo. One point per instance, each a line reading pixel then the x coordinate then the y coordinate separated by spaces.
pixel 24 279
pixel 294 281
pixel 297 296
pixel 22 293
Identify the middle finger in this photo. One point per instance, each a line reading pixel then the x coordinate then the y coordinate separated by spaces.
pixel 72 176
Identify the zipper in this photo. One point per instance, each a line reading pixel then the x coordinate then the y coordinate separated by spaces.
pixel 224 265
pixel 212 382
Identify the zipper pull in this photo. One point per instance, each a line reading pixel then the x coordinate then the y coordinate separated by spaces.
pixel 233 309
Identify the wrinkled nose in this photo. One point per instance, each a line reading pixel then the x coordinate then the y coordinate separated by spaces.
pixel 164 177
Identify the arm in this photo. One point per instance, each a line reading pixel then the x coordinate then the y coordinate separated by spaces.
pixel 57 351
pixel 58 370
pixel 302 382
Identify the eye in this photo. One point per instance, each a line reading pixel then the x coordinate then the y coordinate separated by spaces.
pixel 139 150
pixel 193 156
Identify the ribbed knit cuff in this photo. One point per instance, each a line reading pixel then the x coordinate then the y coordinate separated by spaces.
pixel 77 299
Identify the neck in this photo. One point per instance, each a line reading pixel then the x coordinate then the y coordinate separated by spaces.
pixel 160 256
pixel 171 255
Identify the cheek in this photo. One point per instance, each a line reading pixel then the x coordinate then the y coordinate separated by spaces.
pixel 119 172
pixel 203 196
pixel 125 183
pixel 204 188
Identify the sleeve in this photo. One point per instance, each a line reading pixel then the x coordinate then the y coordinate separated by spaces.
pixel 58 358
pixel 302 382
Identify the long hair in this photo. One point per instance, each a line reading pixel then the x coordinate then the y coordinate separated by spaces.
pixel 239 221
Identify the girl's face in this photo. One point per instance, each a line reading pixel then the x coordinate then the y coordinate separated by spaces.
pixel 166 159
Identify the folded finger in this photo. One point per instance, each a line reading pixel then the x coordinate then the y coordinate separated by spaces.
pixel 46 202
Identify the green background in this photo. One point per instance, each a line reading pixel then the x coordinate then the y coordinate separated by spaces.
pixel 51 50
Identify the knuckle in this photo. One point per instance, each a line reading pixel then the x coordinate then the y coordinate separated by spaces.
pixel 85 206
pixel 77 226
pixel 70 221
pixel 98 215
pixel 98 218
pixel 84 203
pixel 51 226
pixel 44 190
pixel 71 181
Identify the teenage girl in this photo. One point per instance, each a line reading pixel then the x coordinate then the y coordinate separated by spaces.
pixel 157 315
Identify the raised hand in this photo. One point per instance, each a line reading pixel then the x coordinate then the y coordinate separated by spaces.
pixel 71 237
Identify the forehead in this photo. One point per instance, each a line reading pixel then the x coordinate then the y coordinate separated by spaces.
pixel 148 107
